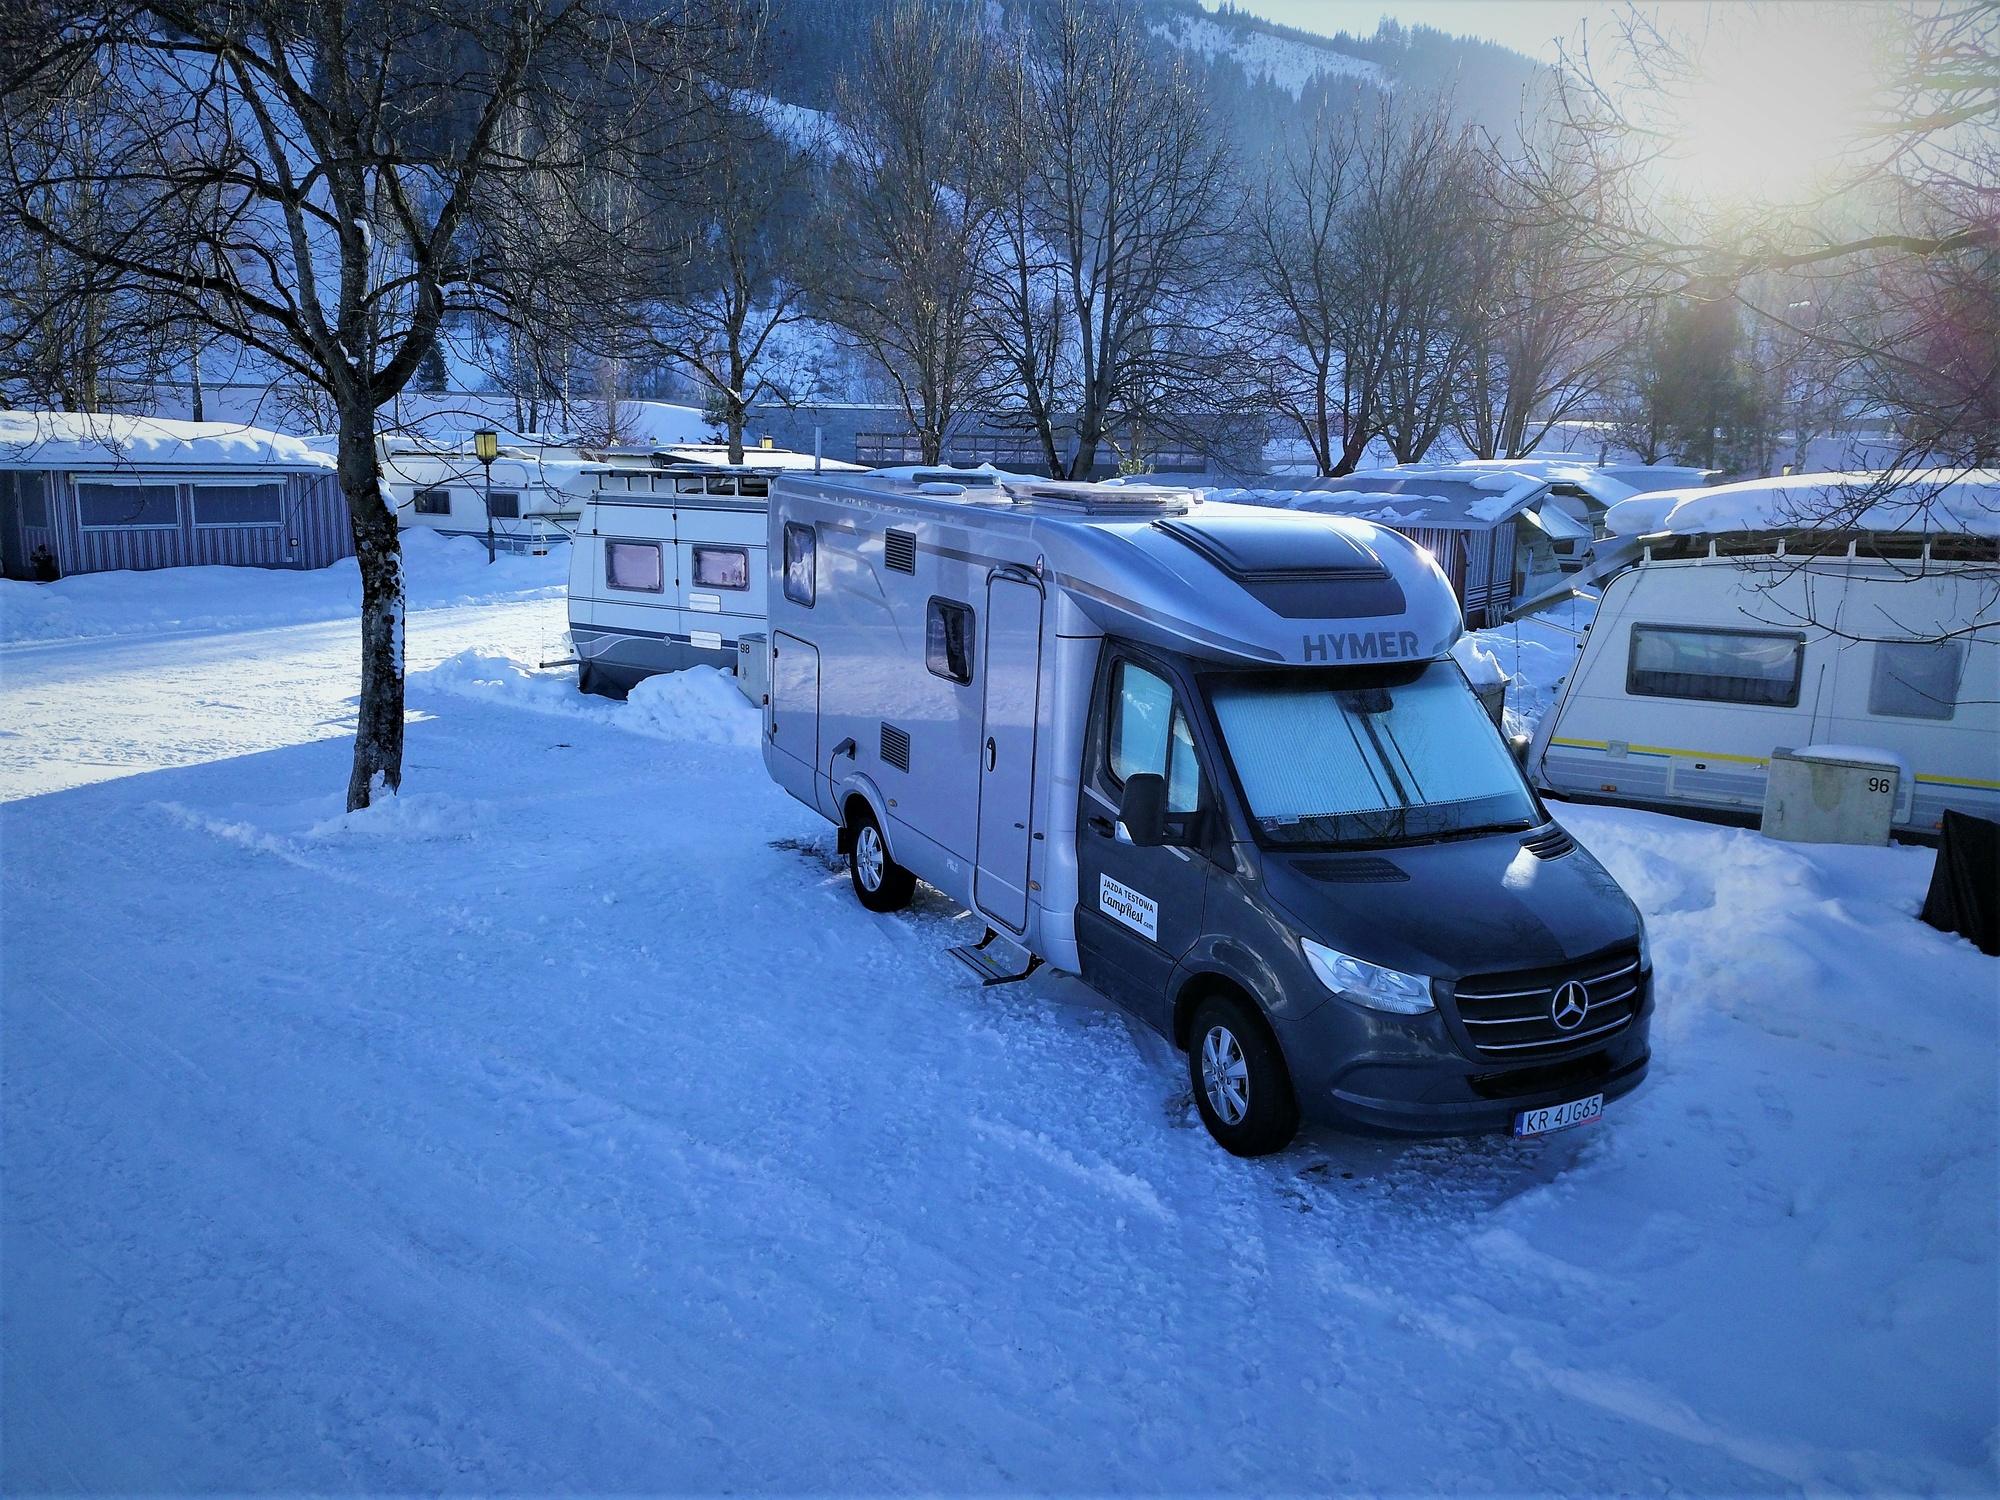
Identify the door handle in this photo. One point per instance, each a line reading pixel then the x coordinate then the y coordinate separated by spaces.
pixel 992 753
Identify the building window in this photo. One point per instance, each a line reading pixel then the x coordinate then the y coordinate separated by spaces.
pixel 722 567
pixel 634 565
pixel 114 507
pixel 880 449
pixel 1916 679
pixel 1150 733
pixel 433 502
pixel 799 563
pixel 505 505
pixel 239 504
pixel 1756 667
pixel 948 640
pixel 34 492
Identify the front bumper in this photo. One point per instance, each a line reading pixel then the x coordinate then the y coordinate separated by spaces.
pixel 1407 1075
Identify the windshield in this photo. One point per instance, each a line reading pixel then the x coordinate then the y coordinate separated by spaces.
pixel 1391 756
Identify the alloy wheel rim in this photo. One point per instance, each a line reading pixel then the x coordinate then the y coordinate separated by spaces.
pixel 868 858
pixel 1225 1076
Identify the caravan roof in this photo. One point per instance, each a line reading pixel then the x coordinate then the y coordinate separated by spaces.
pixel 1164 565
pixel 1928 503
pixel 1437 499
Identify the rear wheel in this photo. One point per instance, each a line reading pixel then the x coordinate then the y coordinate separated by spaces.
pixel 1241 1086
pixel 879 882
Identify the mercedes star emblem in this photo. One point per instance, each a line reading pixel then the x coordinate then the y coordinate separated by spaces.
pixel 1569 1006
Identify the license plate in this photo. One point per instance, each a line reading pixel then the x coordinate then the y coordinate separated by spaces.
pixel 1558 1116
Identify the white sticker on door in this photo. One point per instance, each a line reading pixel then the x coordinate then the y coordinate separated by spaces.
pixel 1123 904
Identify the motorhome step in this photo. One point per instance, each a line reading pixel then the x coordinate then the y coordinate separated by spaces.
pixel 996 960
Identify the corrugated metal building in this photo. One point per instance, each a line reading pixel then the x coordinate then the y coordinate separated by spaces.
pixel 87 493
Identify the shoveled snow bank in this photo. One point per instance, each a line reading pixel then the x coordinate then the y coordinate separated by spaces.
pixel 439 572
pixel 88 440
pixel 700 706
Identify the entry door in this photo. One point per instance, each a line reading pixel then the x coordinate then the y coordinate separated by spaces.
pixel 1013 628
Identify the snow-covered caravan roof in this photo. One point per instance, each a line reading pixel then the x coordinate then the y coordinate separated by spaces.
pixel 1930 503
pixel 1443 499
pixel 1165 566
pixel 1589 477
pixel 716 456
pixel 93 441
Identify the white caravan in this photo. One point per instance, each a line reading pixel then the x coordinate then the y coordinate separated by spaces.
pixel 667 572
pixel 1219 761
pixel 1734 629
pixel 536 490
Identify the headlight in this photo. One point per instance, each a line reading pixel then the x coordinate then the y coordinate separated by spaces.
pixel 1645 949
pixel 1370 984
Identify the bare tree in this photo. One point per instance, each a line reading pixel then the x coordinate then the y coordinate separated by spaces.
pixel 322 184
pixel 1116 233
pixel 917 221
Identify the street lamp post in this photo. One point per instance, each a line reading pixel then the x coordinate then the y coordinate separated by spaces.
pixel 486 445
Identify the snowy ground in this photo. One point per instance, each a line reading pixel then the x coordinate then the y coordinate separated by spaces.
pixel 567 1125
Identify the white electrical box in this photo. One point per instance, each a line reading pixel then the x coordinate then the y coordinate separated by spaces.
pixel 1832 795
pixel 753 667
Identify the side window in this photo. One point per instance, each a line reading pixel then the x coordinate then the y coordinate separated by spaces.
pixel 948 640
pixel 1716 666
pixel 688 484
pixel 722 484
pixel 239 504
pixel 1148 732
pixel 108 506
pixel 799 562
pixel 722 567
pixel 635 566
pixel 748 487
pixel 506 505
pixel 433 503
pixel 1916 679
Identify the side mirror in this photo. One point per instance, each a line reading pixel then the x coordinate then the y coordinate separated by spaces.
pixel 1143 809
pixel 1518 746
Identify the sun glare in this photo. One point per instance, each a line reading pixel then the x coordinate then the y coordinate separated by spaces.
pixel 1781 101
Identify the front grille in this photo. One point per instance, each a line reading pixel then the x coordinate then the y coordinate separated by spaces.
pixel 1510 1016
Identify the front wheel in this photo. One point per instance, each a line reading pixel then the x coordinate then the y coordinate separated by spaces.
pixel 1241 1086
pixel 879 882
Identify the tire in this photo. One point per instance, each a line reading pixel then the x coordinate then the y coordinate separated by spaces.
pixel 880 884
pixel 1241 1086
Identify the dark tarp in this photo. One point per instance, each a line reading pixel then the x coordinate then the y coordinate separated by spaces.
pixel 1965 886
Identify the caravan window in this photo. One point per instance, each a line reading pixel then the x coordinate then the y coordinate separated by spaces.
pixel 722 567
pixel 721 484
pixel 948 640
pixel 799 560
pixel 634 565
pixel 433 503
pixel 104 507
pixel 505 505
pixel 1760 667
pixel 688 484
pixel 1916 679
pixel 239 504
pixel 1150 733
pixel 753 488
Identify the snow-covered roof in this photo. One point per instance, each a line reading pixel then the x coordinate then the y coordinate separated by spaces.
pixel 1454 498
pixel 1934 502
pixel 96 441
pixel 1563 468
pixel 716 455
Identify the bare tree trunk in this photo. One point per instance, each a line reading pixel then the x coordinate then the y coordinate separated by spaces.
pixel 378 722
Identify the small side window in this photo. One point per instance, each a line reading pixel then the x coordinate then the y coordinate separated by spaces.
pixel 688 484
pixel 1760 667
pixel 635 566
pixel 948 640
pixel 722 484
pixel 799 563
pixel 506 505
pixel 753 488
pixel 433 503
pixel 1916 679
pixel 722 567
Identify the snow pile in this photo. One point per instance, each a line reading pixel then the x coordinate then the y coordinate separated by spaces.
pixel 410 815
pixel 82 440
pixel 1937 502
pixel 1480 665
pixel 699 706
pixel 1287 62
pixel 440 572
pixel 1536 654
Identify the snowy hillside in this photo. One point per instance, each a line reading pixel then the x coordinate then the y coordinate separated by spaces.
pixel 566 1125
pixel 1287 62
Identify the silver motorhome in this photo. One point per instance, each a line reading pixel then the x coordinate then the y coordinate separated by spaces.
pixel 1218 761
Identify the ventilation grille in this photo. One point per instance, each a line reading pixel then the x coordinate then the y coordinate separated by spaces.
pixel 1352 870
pixel 896 747
pixel 899 551
pixel 1553 844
